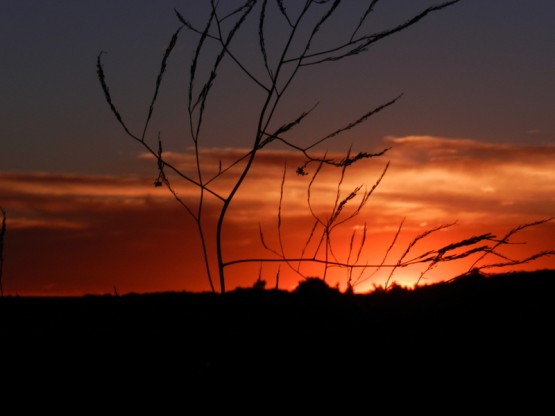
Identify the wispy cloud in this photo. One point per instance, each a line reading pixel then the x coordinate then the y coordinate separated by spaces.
pixel 61 200
pixel 469 179
pixel 103 220
pixel 429 179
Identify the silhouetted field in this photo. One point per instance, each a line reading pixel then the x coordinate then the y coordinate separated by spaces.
pixel 475 329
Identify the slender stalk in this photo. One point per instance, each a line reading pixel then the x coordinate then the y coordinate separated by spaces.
pixel 2 236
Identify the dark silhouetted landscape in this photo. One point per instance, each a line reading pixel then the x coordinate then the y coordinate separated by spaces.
pixel 485 330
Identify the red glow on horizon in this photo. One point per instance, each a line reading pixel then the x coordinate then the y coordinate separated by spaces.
pixel 72 235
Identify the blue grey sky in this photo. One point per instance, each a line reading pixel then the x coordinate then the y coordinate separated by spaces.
pixel 480 70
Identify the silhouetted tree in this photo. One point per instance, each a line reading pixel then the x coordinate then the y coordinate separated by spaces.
pixel 291 36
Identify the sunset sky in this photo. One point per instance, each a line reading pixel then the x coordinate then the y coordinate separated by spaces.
pixel 471 143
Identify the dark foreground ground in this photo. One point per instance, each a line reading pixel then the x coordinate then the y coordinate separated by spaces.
pixel 476 336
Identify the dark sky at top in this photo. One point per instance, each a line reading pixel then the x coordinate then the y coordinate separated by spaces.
pixel 481 70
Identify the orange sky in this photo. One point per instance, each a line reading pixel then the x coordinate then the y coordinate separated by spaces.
pixel 471 137
pixel 74 234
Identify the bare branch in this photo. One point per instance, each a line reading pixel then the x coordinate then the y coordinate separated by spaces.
pixel 261 22
pixel 283 11
pixel 361 44
pixel 520 261
pixel 386 255
pixel 349 126
pixel 505 240
pixel 401 262
pixel 163 65
pixel 286 127
pixel 369 10
pixel 107 95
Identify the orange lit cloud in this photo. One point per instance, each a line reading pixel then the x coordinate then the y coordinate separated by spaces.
pixel 70 234
pixel 471 181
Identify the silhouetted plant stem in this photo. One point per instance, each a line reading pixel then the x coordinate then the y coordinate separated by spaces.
pixel 2 236
pixel 280 65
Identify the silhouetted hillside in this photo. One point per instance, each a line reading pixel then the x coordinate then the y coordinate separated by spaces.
pixel 496 326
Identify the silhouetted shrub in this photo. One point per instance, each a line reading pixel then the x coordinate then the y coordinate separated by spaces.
pixel 314 286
